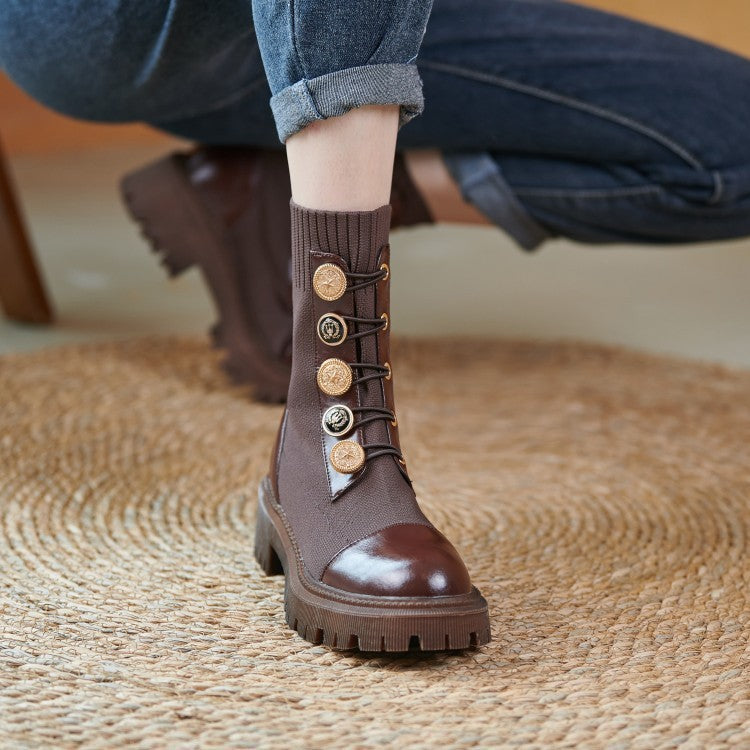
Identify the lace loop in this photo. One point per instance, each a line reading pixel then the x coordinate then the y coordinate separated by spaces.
pixel 377 324
pixel 364 279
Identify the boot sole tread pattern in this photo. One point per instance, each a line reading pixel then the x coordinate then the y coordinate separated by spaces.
pixel 344 621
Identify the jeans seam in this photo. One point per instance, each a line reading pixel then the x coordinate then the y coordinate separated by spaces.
pixel 718 193
pixel 588 193
pixel 150 65
pixel 295 40
pixel 572 103
pixel 306 101
pixel 232 98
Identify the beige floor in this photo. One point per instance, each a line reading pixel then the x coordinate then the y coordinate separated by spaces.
pixel 691 301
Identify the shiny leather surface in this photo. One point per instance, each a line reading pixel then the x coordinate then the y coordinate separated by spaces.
pixel 408 560
pixel 247 192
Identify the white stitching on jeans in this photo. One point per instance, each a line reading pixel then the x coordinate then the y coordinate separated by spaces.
pixel 593 109
pixel 233 98
pixel 588 193
pixel 719 189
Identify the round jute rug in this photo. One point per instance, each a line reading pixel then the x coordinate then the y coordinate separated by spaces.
pixel 601 499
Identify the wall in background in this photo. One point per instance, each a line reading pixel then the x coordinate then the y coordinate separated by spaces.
pixel 722 22
pixel 27 127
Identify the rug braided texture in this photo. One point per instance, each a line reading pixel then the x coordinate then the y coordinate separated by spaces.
pixel 600 497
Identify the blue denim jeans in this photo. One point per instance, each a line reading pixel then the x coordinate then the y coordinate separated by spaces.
pixel 553 119
pixel 324 58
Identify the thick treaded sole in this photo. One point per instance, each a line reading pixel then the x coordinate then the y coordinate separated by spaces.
pixel 161 200
pixel 342 620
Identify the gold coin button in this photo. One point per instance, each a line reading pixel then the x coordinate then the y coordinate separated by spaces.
pixel 334 377
pixel 332 329
pixel 329 282
pixel 347 457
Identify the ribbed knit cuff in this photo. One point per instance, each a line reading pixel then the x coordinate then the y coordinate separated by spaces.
pixel 355 236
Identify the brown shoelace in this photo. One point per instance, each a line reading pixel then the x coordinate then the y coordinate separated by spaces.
pixel 374 413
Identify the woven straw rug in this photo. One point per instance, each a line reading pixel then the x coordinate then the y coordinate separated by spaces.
pixel 601 499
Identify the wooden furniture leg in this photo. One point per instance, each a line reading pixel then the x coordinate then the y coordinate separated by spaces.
pixel 22 293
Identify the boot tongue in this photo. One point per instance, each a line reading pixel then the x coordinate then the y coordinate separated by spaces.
pixel 355 236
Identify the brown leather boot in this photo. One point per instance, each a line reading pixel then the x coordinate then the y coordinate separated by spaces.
pixel 225 210
pixel 337 514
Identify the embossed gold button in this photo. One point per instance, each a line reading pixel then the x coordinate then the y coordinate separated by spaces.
pixel 334 377
pixel 338 420
pixel 347 457
pixel 329 282
pixel 332 329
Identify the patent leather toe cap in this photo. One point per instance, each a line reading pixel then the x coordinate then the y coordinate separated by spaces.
pixel 410 560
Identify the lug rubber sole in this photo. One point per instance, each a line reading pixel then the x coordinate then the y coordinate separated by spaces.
pixel 345 621
pixel 161 200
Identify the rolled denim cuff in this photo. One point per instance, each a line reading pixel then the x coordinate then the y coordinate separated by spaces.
pixel 482 184
pixel 334 94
